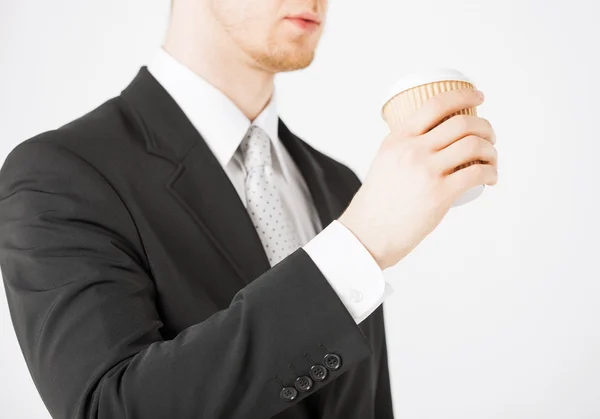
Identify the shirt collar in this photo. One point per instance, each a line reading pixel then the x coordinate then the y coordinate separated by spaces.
pixel 220 122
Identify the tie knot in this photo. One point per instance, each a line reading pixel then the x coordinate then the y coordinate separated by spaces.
pixel 256 148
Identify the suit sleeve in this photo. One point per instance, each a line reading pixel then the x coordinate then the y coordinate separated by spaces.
pixel 82 301
pixel 384 408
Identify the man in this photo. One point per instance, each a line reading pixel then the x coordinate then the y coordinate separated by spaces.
pixel 179 253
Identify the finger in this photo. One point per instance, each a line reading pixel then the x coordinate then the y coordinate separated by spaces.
pixel 468 149
pixel 435 109
pixel 469 177
pixel 457 127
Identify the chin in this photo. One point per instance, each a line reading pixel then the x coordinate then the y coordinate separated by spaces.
pixel 295 62
pixel 289 59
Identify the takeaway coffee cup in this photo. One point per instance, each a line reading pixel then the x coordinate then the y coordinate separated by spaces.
pixel 411 91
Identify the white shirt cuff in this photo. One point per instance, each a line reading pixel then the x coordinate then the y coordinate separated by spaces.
pixel 350 269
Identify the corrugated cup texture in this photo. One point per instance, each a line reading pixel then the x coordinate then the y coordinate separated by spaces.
pixel 404 104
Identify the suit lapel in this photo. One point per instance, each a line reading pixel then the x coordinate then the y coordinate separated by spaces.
pixel 200 184
pixel 202 187
pixel 313 173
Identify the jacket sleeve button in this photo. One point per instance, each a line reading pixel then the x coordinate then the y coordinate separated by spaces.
pixel 304 383
pixel 288 393
pixel 332 362
pixel 318 372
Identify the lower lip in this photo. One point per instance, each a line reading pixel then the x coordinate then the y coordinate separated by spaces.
pixel 307 25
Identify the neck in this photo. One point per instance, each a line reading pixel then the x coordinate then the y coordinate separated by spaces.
pixel 206 49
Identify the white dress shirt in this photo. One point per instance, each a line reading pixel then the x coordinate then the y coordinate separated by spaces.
pixel 340 256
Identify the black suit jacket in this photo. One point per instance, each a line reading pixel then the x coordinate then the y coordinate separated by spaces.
pixel 138 287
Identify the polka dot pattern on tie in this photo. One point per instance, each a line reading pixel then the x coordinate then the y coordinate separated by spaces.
pixel 263 201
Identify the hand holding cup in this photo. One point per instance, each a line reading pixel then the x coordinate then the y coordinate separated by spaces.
pixel 412 181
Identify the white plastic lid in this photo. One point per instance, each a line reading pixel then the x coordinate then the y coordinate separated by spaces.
pixel 423 77
pixel 469 195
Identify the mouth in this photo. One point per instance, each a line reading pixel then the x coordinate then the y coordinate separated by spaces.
pixel 305 21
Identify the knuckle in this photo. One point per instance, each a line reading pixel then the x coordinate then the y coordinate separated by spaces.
pixel 488 130
pixel 486 122
pixel 495 154
pixel 415 154
pixel 464 93
pixel 392 141
pixel 401 131
pixel 477 170
pixel 437 105
pixel 487 126
pixel 472 144
pixel 462 122
pixel 411 153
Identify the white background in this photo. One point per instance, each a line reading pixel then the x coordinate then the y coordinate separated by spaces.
pixel 496 313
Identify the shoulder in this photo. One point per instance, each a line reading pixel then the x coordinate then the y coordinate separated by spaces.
pixel 102 146
pixel 98 134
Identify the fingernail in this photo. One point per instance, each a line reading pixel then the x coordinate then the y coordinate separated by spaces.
pixel 481 96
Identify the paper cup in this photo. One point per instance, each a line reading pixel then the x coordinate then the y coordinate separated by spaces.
pixel 410 92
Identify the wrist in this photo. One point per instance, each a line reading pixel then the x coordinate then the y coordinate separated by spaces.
pixel 362 232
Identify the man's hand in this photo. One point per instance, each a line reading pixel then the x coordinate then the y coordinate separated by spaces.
pixel 411 183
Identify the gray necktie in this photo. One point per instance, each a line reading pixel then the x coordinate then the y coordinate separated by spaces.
pixel 276 232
